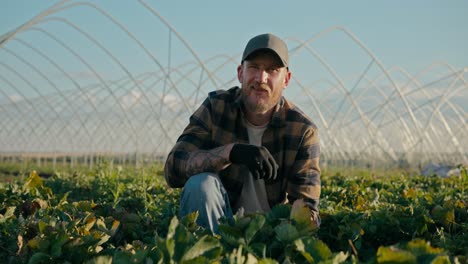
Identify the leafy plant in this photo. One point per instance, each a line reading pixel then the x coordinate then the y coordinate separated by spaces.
pixel 114 214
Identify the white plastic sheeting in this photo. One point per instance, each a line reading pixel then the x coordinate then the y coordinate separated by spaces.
pixel 66 89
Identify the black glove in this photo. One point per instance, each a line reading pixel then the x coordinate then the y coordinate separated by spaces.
pixel 260 162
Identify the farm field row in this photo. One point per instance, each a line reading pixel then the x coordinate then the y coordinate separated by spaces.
pixel 115 214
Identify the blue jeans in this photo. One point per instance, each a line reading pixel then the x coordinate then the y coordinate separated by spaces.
pixel 205 193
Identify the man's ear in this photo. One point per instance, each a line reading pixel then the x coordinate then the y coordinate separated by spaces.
pixel 287 77
pixel 239 73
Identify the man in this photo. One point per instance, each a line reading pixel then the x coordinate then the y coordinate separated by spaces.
pixel 247 148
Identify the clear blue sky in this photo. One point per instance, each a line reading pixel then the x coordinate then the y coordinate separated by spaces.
pixel 410 34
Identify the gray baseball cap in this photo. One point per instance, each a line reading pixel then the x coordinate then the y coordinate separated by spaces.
pixel 269 42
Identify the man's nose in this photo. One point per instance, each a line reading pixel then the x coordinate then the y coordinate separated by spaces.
pixel 262 76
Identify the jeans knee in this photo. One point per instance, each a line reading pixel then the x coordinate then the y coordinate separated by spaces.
pixel 205 193
pixel 203 184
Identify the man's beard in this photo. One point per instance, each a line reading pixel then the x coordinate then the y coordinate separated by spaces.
pixel 256 106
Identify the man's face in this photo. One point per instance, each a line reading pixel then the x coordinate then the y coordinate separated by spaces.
pixel 262 79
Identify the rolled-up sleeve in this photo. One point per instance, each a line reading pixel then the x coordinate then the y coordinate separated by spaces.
pixel 195 136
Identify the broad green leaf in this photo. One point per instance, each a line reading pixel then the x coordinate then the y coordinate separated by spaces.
pixel 170 242
pixel 203 245
pixel 258 249
pixel 33 243
pixel 183 239
pixel 243 222
pixel 441 260
pixel 232 240
pixel 121 257
pixel 86 206
pixel 279 212
pixel 301 214
pixel 42 226
pixel 35 186
pixel 172 227
pixel 286 232
pixel 33 182
pixel 56 246
pixel 132 218
pixel 190 219
pixel 394 255
pixel 299 244
pixel 39 258
pixel 318 249
pixel 230 230
pixel 139 256
pixel 255 225
pixel 424 252
pixel 419 247
pixel 300 247
pixel 170 247
pixel 232 235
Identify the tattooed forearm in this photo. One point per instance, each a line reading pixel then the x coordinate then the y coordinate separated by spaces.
pixel 213 160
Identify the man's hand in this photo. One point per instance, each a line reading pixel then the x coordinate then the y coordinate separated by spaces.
pixel 259 160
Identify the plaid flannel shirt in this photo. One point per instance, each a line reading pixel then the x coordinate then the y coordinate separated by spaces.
pixel 291 137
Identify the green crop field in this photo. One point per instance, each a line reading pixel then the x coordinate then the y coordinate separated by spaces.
pixel 115 214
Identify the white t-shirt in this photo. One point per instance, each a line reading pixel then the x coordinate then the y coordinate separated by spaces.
pixel 253 197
